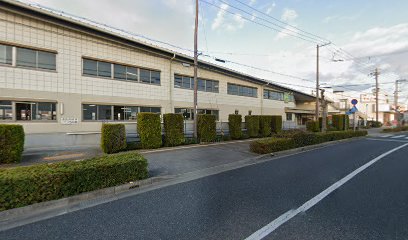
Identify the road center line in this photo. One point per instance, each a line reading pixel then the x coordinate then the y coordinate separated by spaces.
pixel 272 226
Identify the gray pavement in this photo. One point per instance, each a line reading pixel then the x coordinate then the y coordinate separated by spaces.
pixel 236 203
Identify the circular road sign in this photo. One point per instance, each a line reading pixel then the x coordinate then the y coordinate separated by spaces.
pixel 354 101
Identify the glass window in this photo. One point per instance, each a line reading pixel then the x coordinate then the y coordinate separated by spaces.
pixel 232 89
pixel 119 71
pixel 201 85
pixel 288 116
pixel 5 55
pixel 104 112
pixel 178 81
pixel 155 77
pixel 90 67
pixel 131 73
pixel 47 60
pixel 186 82
pixel 119 113
pixel 131 113
pixel 104 69
pixel 150 109
pixel 27 111
pixel 144 75
pixel 26 58
pixel 215 86
pixel 6 112
pixel 209 86
pixel 89 111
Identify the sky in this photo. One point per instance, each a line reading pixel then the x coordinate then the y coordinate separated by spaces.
pixel 272 39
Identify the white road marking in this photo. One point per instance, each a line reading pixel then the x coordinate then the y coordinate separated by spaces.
pixel 398 136
pixel 386 135
pixel 272 226
pixel 386 140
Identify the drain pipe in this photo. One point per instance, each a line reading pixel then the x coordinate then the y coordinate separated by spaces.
pixel 171 84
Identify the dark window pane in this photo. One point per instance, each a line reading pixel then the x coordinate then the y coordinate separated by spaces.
pixel 265 94
pixel 104 112
pixel 119 72
pixel 5 55
pixel 45 111
pixel 208 86
pixel 232 89
pixel 6 110
pixel 89 111
pixel 23 111
pixel 186 82
pixel 178 81
pixel 118 113
pixel 90 67
pixel 155 77
pixel 201 85
pixel 131 73
pixel 131 113
pixel 104 69
pixel 47 60
pixel 155 110
pixel 215 86
pixel 144 75
pixel 26 58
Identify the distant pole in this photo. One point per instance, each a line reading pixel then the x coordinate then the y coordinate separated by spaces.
pixel 195 70
pixel 317 83
pixel 376 73
pixel 324 112
pixel 396 98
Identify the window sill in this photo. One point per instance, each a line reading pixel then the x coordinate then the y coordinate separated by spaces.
pixel 119 80
pixel 28 68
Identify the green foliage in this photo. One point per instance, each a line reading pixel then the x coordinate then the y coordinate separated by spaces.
pixel 276 124
pixel 113 138
pixel 374 124
pixel 234 124
pixel 149 129
pixel 341 122
pixel 321 123
pixel 252 125
pixel 396 129
pixel 173 129
pixel 207 131
pixel 11 143
pixel 312 126
pixel 21 186
pixel 271 145
pixel 265 125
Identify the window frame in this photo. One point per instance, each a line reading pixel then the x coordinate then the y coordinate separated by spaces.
pixel 37 51
pixel 242 90
pixel 215 84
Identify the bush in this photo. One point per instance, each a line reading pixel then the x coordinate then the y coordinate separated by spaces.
pixel 21 186
pixel 149 129
pixel 11 143
pixel 271 145
pixel 312 126
pixel 252 125
pixel 265 125
pixel 207 131
pixel 341 122
pixel 276 124
pixel 396 129
pixel 234 124
pixel 374 124
pixel 321 123
pixel 173 129
pixel 113 138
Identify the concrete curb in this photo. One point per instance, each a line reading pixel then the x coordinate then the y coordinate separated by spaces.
pixel 44 210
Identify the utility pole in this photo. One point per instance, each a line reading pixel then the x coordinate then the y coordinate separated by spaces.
pixel 396 98
pixel 195 70
pixel 324 112
pixel 317 79
pixel 376 73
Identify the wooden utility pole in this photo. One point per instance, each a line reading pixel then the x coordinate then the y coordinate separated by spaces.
pixel 317 83
pixel 195 71
pixel 324 112
pixel 376 73
pixel 396 98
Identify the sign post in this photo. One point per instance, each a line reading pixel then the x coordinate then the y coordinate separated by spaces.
pixel 354 102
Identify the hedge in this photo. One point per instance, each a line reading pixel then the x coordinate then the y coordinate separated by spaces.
pixel 234 125
pixel 312 126
pixel 300 139
pixel 374 124
pixel 276 124
pixel 173 129
pixel 113 138
pixel 11 143
pixel 149 129
pixel 321 123
pixel 265 125
pixel 252 125
pixel 21 186
pixel 206 128
pixel 396 129
pixel 341 122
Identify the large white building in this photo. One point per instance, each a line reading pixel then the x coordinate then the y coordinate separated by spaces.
pixel 61 78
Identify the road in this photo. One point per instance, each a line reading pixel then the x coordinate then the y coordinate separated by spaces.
pixel 235 204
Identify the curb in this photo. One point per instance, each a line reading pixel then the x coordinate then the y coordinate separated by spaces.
pixel 40 211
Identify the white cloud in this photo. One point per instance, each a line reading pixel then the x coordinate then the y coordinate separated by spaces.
pixel 289 15
pixel 219 19
pixel 284 32
pixel 229 24
pixel 252 2
pixel 270 8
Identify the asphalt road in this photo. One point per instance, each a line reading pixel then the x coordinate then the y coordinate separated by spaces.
pixel 235 204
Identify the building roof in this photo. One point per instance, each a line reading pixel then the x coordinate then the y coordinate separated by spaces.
pixel 92 28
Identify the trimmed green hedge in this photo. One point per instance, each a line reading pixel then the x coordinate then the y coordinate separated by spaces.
pixel 276 124
pixel 21 186
pixel 11 143
pixel 234 125
pixel 206 128
pixel 113 138
pixel 265 125
pixel 300 139
pixel 341 122
pixel 149 129
pixel 252 125
pixel 312 126
pixel 173 129
pixel 396 129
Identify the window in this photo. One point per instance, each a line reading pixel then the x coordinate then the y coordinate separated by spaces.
pixel 273 95
pixel 6 54
pixel 122 72
pixel 148 76
pixel 97 68
pixel 125 113
pixel 289 116
pixel 104 112
pixel 93 112
pixel 6 110
pixel 35 59
pixel 203 84
pixel 187 83
pixel 178 81
pixel 150 109
pixel 104 69
pixel 239 90
pixel 189 113
pixel 89 111
pixel 28 111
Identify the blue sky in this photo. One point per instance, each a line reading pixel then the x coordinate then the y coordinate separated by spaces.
pixel 362 28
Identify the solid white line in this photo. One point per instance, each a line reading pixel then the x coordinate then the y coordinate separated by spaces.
pixel 398 136
pixel 387 140
pixel 386 135
pixel 265 231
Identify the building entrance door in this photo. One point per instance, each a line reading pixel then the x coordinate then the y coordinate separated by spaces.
pixel 23 111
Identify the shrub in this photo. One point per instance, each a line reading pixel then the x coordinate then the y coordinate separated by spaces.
pixel 321 123
pixel 276 124
pixel 341 122
pixel 265 125
pixel 149 129
pixel 207 131
pixel 23 186
pixel 270 145
pixel 374 124
pixel 11 143
pixel 252 125
pixel 173 129
pixel 396 129
pixel 306 138
pixel 113 138
pixel 234 124
pixel 312 126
